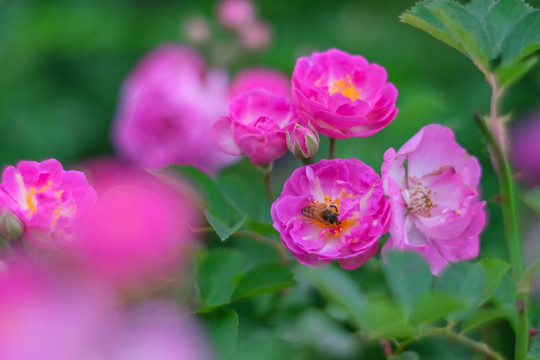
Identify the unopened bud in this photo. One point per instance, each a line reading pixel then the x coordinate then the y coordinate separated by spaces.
pixel 303 142
pixel 11 227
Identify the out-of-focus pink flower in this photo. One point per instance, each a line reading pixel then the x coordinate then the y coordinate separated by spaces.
pixel 303 142
pixel 255 36
pixel 256 126
pixel 525 148
pixel 168 106
pixel 139 231
pixel 235 14
pixel 334 209
pixel 44 317
pixel 346 95
pixel 435 205
pixel 48 200
pixel 261 78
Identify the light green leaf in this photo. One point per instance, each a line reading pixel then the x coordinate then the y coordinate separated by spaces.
pixel 386 319
pixel 509 74
pixel 408 276
pixel 263 278
pixel 224 231
pixel 222 326
pixel 337 286
pixel 433 306
pixel 495 270
pixel 216 276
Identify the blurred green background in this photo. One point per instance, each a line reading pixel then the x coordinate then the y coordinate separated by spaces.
pixel 62 63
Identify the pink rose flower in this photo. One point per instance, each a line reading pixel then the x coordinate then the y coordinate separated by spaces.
pixel 48 200
pixel 168 106
pixel 255 36
pixel 346 95
pixel 256 126
pixel 435 205
pixel 261 78
pixel 334 209
pixel 139 231
pixel 235 14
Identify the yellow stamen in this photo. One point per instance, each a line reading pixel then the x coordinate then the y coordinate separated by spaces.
pixel 346 88
pixel 30 201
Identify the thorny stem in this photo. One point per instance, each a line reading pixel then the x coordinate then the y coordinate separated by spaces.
pixel 457 337
pixel 494 133
pixel 332 149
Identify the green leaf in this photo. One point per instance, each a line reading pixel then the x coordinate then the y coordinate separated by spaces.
pixel 337 286
pixel 263 278
pixel 523 40
pixel 465 281
pixel 386 318
pixel 216 276
pixel 222 326
pixel 224 231
pixel 534 349
pixel 433 306
pixel 509 74
pixel 495 270
pixel 483 316
pixel 532 198
pixel 407 355
pixel 408 276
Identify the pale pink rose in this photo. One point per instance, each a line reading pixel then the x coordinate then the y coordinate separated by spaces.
pixel 525 148
pixel 435 202
pixel 261 78
pixel 345 95
pixel 255 36
pixel 332 210
pixel 140 230
pixel 167 108
pixel 256 126
pixel 48 200
pixel 235 14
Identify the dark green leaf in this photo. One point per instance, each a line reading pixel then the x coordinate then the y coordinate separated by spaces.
pixel 222 326
pixel 216 276
pixel 433 306
pixel 407 355
pixel 262 228
pixel 336 286
pixel 408 275
pixel 223 230
pixel 483 316
pixel 263 278
pixel 495 270
pixel 523 40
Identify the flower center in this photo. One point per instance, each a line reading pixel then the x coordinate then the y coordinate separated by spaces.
pixel 325 214
pixel 420 200
pixel 345 87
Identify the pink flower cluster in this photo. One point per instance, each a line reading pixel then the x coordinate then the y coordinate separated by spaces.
pixel 336 209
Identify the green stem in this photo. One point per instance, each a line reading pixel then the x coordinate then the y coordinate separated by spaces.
pixel 308 161
pixel 332 149
pixel 494 133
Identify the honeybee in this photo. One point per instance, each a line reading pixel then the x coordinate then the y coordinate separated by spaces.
pixel 327 214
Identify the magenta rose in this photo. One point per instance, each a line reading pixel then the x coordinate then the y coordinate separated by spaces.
pixel 48 200
pixel 436 209
pixel 346 95
pixel 332 210
pixel 256 126
pixel 168 106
